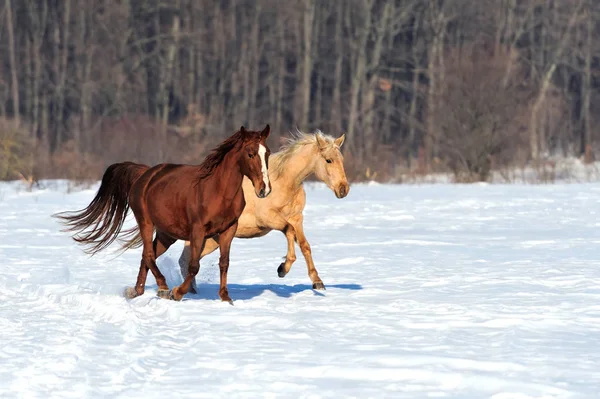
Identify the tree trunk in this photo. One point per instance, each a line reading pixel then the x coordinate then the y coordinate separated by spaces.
pixel 87 52
pixel 254 59
pixel 29 91
pixel 37 75
pixel 280 78
pixel 337 114
pixel 14 84
pixel 586 139
pixel 416 93
pixel 358 76
pixel 62 73
pixel 369 125
pixel 435 75
pixel 194 68
pixel 534 128
pixel 307 61
pixel 167 81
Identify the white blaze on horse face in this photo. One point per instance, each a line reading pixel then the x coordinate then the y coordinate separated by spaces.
pixel 263 166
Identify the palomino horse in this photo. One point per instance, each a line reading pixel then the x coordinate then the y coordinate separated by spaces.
pixel 180 202
pixel 303 155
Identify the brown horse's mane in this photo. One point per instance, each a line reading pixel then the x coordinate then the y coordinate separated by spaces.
pixel 217 155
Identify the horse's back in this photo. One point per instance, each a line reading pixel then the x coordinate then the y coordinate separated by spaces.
pixel 163 192
pixel 157 180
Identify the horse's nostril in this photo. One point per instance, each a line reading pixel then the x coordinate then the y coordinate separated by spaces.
pixel 261 193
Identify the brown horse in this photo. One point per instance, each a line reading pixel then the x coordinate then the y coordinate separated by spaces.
pixel 304 155
pixel 179 202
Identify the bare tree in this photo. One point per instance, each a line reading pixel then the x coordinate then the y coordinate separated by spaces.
pixel 157 81
pixel 546 80
pixel 12 59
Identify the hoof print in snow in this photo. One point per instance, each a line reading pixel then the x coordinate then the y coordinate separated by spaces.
pixel 319 286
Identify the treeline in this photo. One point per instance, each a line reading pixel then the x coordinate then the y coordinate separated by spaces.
pixel 416 85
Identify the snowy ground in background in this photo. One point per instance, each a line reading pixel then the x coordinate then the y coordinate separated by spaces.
pixel 482 291
pixel 554 169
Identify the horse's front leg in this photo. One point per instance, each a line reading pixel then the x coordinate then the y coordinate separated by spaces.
pixel 296 223
pixel 290 257
pixel 184 259
pixel 197 241
pixel 225 239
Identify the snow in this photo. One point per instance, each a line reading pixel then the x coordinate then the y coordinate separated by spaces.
pixel 552 169
pixel 456 291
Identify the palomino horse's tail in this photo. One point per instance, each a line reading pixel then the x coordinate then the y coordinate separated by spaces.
pixel 103 218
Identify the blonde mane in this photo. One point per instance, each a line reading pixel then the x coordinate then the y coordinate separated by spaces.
pixel 293 145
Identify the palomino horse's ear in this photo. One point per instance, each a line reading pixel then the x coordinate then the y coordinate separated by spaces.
pixel 265 132
pixel 340 140
pixel 320 142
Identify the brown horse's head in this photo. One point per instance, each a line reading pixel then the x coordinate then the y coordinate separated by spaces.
pixel 329 167
pixel 254 159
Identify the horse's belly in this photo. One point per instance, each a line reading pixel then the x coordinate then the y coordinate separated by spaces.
pixel 173 229
pixel 248 227
pixel 218 225
pixel 250 231
pixel 168 219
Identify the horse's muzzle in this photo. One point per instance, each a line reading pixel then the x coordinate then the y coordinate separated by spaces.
pixel 342 190
pixel 263 192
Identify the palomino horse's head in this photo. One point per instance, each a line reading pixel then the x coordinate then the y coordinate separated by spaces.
pixel 254 159
pixel 330 166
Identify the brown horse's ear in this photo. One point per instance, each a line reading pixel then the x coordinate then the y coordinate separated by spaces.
pixel 340 140
pixel 242 129
pixel 265 132
pixel 320 142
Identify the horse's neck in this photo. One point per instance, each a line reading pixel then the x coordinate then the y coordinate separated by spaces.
pixel 298 168
pixel 228 177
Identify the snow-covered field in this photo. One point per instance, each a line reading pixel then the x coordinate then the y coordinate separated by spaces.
pixel 482 291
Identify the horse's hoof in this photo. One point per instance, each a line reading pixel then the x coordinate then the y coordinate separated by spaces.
pixel 227 300
pixel 318 285
pixel 281 270
pixel 175 295
pixel 130 293
pixel 165 294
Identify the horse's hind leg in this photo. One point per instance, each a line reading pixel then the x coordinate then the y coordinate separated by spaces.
pixel 146 263
pixel 210 245
pixel 161 243
pixel 290 257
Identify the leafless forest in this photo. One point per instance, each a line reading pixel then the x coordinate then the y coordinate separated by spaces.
pixel 418 86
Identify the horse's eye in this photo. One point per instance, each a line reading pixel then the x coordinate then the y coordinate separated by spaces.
pixel 329 161
pixel 250 155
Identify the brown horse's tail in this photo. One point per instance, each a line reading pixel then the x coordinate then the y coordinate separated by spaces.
pixel 99 224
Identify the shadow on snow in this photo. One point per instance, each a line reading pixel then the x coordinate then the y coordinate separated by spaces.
pixel 250 291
